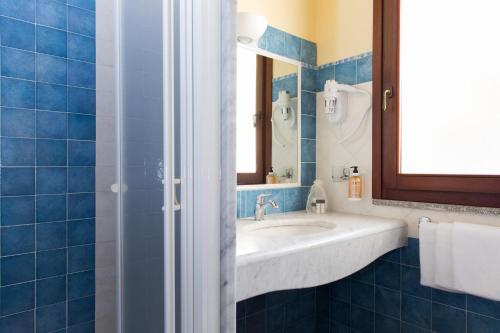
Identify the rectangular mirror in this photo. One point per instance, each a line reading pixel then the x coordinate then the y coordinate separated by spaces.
pixel 267 119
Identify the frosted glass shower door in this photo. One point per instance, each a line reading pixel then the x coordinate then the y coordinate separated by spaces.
pixel 146 264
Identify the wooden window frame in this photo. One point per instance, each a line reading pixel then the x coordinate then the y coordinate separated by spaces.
pixel 388 182
pixel 263 127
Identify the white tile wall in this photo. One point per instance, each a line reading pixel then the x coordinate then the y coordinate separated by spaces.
pixel 358 151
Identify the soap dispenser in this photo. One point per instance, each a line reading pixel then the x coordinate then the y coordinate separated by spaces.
pixel 355 185
pixel 271 177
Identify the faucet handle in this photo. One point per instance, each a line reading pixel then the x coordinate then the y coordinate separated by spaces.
pixel 261 197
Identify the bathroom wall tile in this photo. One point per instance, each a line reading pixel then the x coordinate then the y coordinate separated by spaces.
pixel 293 200
pixel 341 312
pixel 18 64
pixel 17 298
pixel 17 123
pixel 18 93
pixel 308 127
pixel 393 256
pixel 292 46
pixel 364 72
pixel 346 72
pixel 81 127
pixel 18 240
pixel 18 152
pixel 308 103
pixel 362 294
pixel 51 69
pixel 85 4
pixel 17 34
pixel 51 97
pixel 17 269
pixel 81 74
pixel 51 41
pixel 308 150
pixel 341 290
pixel 388 302
pixel 17 210
pixel 81 48
pixel 81 258
pixel 81 284
pixel 51 180
pixel 447 319
pixel 478 323
pixel 50 291
pixel 287 83
pixel 81 153
pixel 274 40
pixel 87 327
pixel 81 310
pixel 19 322
pixel 324 74
pixel 410 254
pixel 51 263
pixel 387 274
pixel 385 324
pixel 81 232
pixel 50 208
pixel 444 297
pixel 51 152
pixel 416 311
pixel 81 100
pixel 51 125
pixel 410 277
pixel 81 179
pixel 362 320
pixel 81 21
pixel 19 9
pixel 366 275
pixel 51 318
pixel 18 181
pixel 308 52
pixel 51 236
pixel 308 79
pixel 308 173
pixel 81 206
pixel 51 13
pixel 483 306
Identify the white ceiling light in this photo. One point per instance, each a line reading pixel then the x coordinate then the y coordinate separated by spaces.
pixel 251 27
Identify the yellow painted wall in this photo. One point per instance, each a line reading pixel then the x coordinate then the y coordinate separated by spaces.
pixel 340 28
pixel 293 16
pixel 343 28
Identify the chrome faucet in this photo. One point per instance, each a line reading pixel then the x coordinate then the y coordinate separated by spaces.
pixel 261 204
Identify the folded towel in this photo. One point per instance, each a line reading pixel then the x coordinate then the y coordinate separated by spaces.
pixel 444 278
pixel 427 236
pixel 476 260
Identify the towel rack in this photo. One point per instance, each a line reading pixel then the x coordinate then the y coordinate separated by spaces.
pixel 424 219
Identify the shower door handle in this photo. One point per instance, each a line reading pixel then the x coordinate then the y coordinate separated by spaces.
pixel 387 94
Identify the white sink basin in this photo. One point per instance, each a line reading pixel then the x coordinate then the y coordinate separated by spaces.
pixel 299 250
pixel 288 228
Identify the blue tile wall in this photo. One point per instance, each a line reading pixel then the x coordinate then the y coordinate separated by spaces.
pixel 47 159
pixel 384 297
pixel 354 70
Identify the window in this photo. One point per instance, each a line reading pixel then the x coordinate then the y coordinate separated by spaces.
pixel 253 124
pixel 437 76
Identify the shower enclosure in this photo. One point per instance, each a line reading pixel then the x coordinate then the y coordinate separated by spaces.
pixel 168 165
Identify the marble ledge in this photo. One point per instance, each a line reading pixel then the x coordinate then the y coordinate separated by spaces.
pixel 438 207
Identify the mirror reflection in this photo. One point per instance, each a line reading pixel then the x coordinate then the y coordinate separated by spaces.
pixel 268 115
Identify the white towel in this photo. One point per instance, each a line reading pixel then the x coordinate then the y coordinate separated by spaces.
pixel 427 236
pixel 444 278
pixel 476 260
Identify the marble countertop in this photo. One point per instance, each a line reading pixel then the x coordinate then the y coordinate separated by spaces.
pixel 269 261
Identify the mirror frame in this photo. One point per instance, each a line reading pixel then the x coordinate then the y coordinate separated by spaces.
pixel 297 63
